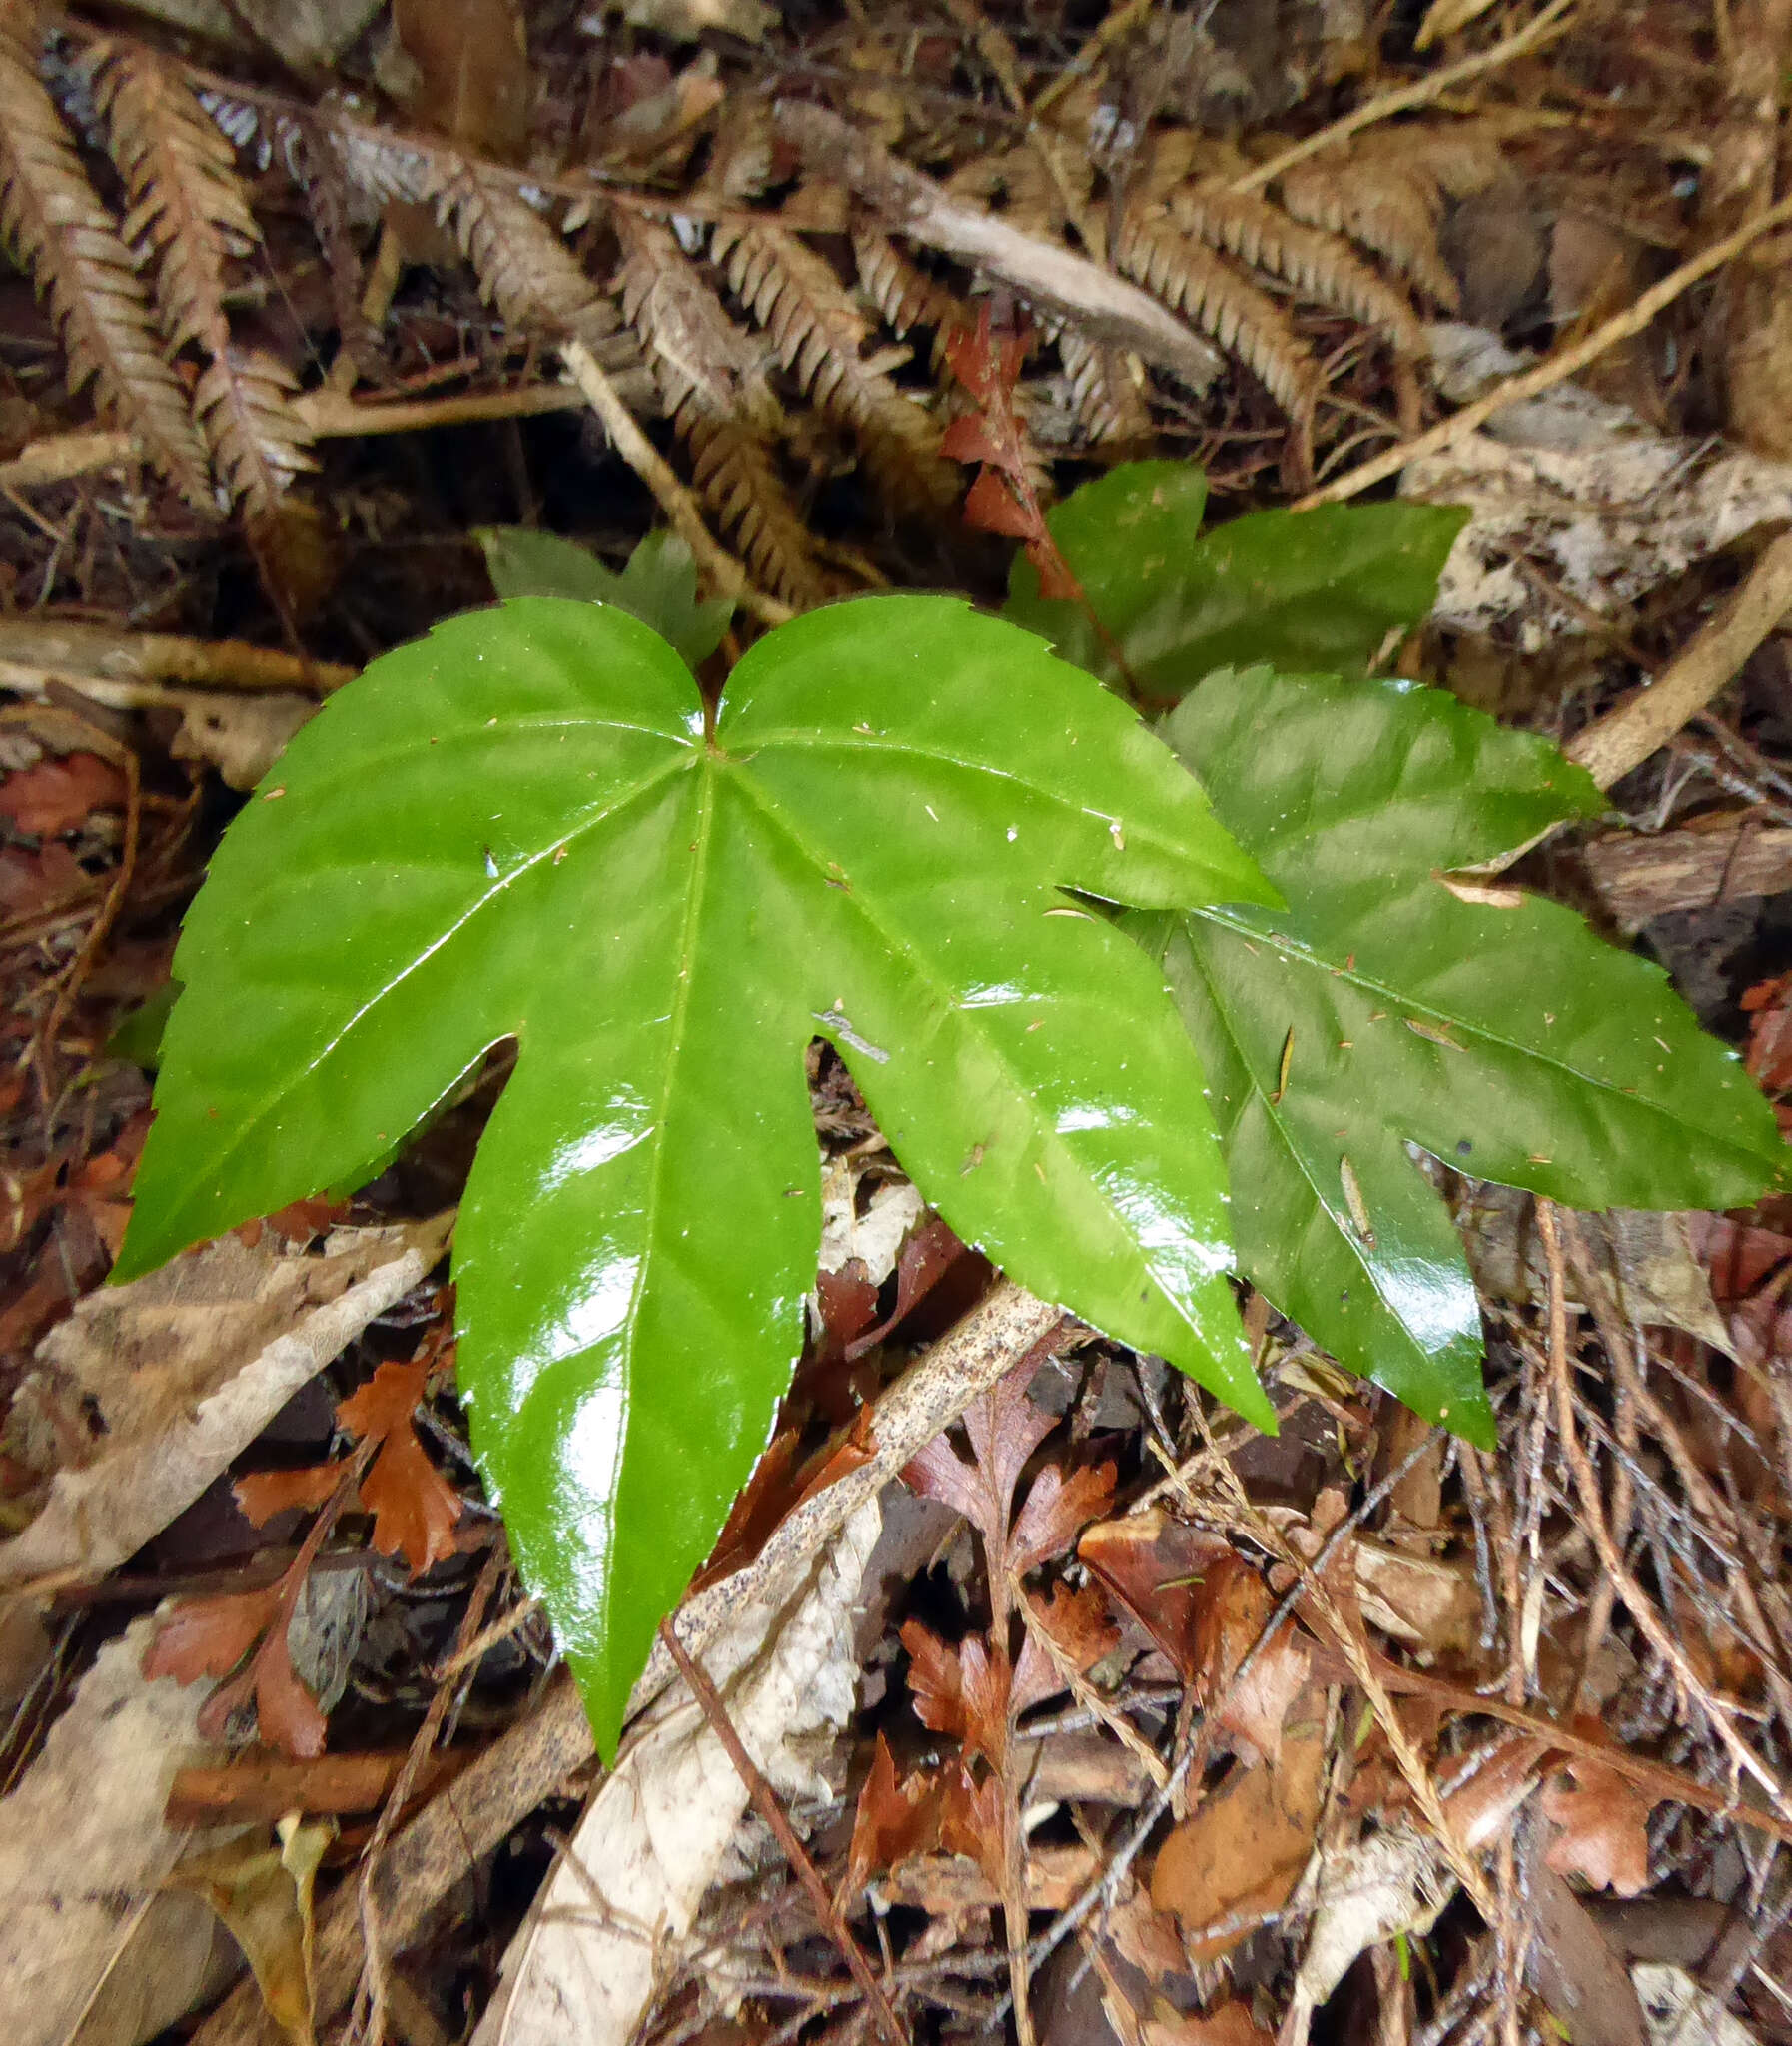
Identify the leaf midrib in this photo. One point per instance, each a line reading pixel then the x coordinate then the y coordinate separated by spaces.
pixel 1288 950
pixel 904 947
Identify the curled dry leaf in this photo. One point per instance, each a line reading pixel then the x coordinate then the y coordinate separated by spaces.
pixel 262 1891
pixel 1056 1507
pixel 1392 1883
pixel 1155 1567
pixel 1251 1707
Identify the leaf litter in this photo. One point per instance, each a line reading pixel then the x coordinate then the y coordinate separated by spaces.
pixel 1132 1597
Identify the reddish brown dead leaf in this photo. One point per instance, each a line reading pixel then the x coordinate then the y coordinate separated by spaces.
pixel 1155 1567
pixel 1004 1427
pixel 893 1820
pixel 263 1494
pixel 1604 1821
pixel 1078 1621
pixel 1769 1055
pixel 925 1259
pixel 208 1636
pixel 1235 1606
pixel 848 1301
pixel 415 1507
pixel 970 1822
pixel 1079 1626
pixel 935 1682
pixel 56 795
pixel 1056 1509
pixel 1240 1853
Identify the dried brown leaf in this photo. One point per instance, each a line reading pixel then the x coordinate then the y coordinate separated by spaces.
pixel 1057 1508
pixel 262 1890
pixel 1155 1567
pixel 415 1507
pixel 1242 1850
pixel 57 795
pixel 1604 1823
pixel 892 1822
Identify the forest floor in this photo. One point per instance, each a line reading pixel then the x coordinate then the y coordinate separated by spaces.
pixel 1362 1735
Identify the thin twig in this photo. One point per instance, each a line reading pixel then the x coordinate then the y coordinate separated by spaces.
pixel 1422 92
pixel 1555 369
pixel 766 1802
pixel 374 1966
pixel 1625 737
pixel 676 501
pixel 1592 1508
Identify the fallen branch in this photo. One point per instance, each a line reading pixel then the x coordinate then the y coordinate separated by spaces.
pixel 1054 278
pixel 1625 737
pixel 82 654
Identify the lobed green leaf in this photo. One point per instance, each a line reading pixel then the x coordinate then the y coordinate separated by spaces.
pixel 518 828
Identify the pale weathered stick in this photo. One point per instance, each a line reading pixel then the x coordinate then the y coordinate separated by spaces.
pixel 1422 92
pixel 1054 279
pixel 475 1812
pixel 1625 737
pixel 1555 369
pixel 85 653
pixel 658 475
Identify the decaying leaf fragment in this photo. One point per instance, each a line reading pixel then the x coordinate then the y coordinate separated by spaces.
pixel 83 1851
pixel 185 1368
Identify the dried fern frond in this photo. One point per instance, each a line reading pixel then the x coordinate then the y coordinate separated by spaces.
pixel 71 245
pixel 188 205
pixel 710 376
pixel 523 267
pixel 818 333
pixel 1319 266
pixel 690 340
pixel 902 292
pixel 1106 388
pixel 1192 279
pixel 1393 207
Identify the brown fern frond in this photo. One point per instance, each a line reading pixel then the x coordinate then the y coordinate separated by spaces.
pixel 818 333
pixel 523 267
pixel 1319 266
pixel 1194 280
pixel 71 245
pixel 712 381
pixel 188 205
pixel 1389 207
pixel 1106 394
pixel 902 292
pixel 689 338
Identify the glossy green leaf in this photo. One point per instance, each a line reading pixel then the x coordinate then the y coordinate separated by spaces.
pixel 659 587
pixel 518 828
pixel 1319 589
pixel 1379 1009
